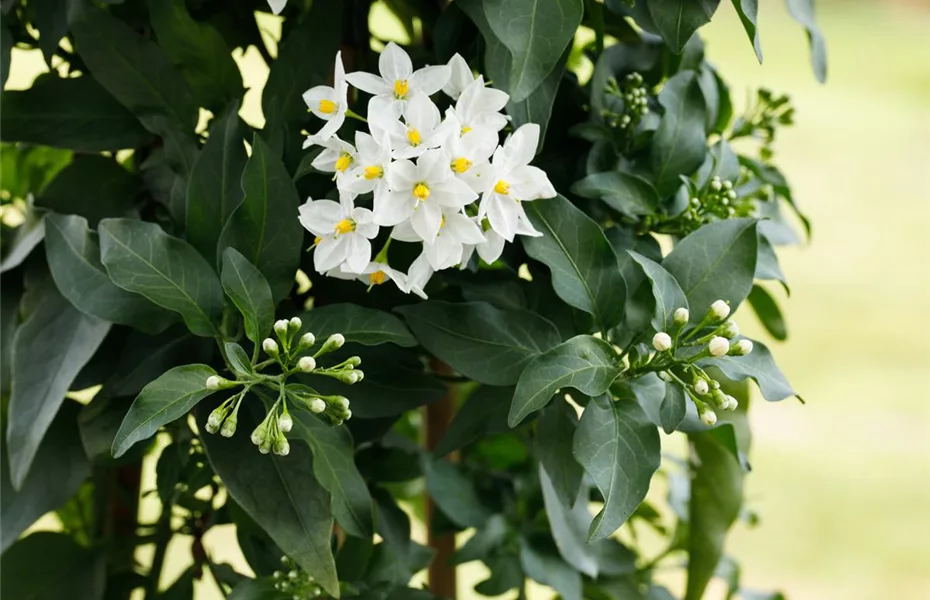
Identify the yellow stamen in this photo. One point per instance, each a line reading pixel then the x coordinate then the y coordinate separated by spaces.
pixel 460 165
pixel 421 192
pixel 377 278
pixel 327 106
pixel 373 172
pixel 502 187
pixel 317 240
pixel 401 87
pixel 345 226
pixel 413 135
pixel 442 222
pixel 465 130
pixel 343 162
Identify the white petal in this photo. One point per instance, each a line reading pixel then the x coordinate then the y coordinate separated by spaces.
pixel 368 82
pixel 403 232
pixel 478 144
pixel 359 252
pixel 354 181
pixel 326 161
pixel 491 249
pixel 489 120
pixel 464 229
pixel 520 148
pixel 421 113
pixel 461 76
pixel 439 252
pixel 524 227
pixel 430 80
pixel 470 100
pixel 394 208
pixel 453 192
pixel 402 175
pixel 320 216
pixel 313 96
pixel 530 183
pixel 277 6
pixel 330 253
pixel 332 126
pixel 503 213
pixel 394 64
pixel 433 166
pixel 493 100
pixel 384 108
pixel 426 220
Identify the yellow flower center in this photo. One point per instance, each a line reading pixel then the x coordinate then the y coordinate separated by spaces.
pixel 465 130
pixel 377 278
pixel 373 172
pixel 502 187
pixel 327 106
pixel 345 226
pixel 442 222
pixel 421 192
pixel 343 162
pixel 317 240
pixel 413 135
pixel 401 87
pixel 460 165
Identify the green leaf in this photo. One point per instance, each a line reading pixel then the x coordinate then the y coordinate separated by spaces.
pixel 673 408
pixel 584 268
pixel 73 254
pixel 52 18
pixel 94 187
pixel 6 50
pixel 768 312
pixel 26 237
pixel 619 448
pixel 748 11
pixel 142 258
pixel 49 349
pixel 677 20
pixel 758 365
pixel 486 541
pixel 537 107
pixel 628 194
pixel 280 493
pixel 716 497
pixel 52 565
pixel 264 228
pixel 803 12
pixel 246 287
pixel 58 470
pixel 214 188
pixel 143 358
pixel 199 52
pixel 482 415
pixel 484 343
pixel 767 267
pixel 718 261
pixel 554 433
pixel 454 493
pixel 679 144
pixel 547 567
pixel 258 589
pixel 238 359
pixel 665 290
pixel 570 526
pixel 585 363
pixel 361 325
pixel 164 400
pixel 536 32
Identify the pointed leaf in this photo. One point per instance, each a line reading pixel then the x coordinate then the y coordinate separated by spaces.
pixel 361 325
pixel 665 290
pixel 483 414
pixel 803 12
pixel 570 526
pixel 748 11
pixel 768 312
pixel 554 434
pixel 673 408
pixel 677 20
pixel 238 360
pixel 759 365
pixel 454 493
pixel 547 567
pixel 623 192
pixel 679 144
pixel 246 287
pixel 94 187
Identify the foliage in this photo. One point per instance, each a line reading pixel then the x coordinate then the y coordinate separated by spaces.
pixel 146 258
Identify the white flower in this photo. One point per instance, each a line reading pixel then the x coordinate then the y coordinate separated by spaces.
pixel 317 405
pixel 277 6
pixel 376 273
pixel 718 346
pixel 398 82
pixel 709 417
pixel 720 310
pixel 343 233
pixel 729 330
pixel 419 132
pixel 418 275
pixel 742 347
pixel 420 191
pixel 280 326
pixel 701 387
pixel 480 106
pixel 455 230
pixel 337 157
pixel 330 103
pixel 661 341
pixel 681 316
pixel 469 154
pixel 371 163
pixel 285 422
pixel 511 180
pixel 460 77
pixel 306 364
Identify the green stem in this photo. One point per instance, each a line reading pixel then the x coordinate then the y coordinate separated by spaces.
pixel 351 113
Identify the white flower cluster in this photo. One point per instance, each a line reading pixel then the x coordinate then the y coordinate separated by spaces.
pixel 440 181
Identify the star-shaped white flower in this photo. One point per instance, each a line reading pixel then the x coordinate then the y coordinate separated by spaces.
pixel 376 273
pixel 470 153
pixel 330 103
pixel 370 167
pixel 418 275
pixel 398 82
pixel 420 191
pixel 460 77
pixel 338 156
pixel 420 130
pixel 342 234
pixel 480 106
pixel 511 180
pixel 455 231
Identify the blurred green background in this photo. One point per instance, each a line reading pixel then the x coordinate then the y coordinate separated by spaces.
pixel 842 484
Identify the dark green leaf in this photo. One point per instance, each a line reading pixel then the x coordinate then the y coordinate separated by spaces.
pixel 238 359
pixel 665 290
pixel 166 399
pixel 199 52
pixel 52 19
pixel 584 268
pixel 673 408
pixel 677 20
pixel 570 526
pixel 246 287
pixel 585 363
pixel 483 414
pixel 626 193
pixel 367 326
pixel 99 422
pixel 619 448
pixel 537 107
pixel 6 50
pixel 554 433
pixel 547 567
pixel 282 495
pixel 49 349
pixel 73 255
pixel 394 527
pixel 258 589
pixel 94 187
pixel 759 365
pixel 679 145
pixel 486 344
pixel 487 541
pixel 142 258
pixel 716 497
pixel 58 470
pixel 718 261
pixel 768 312
pixel 748 11
pixel 47 565
pixel 214 188
pixel 767 267
pixel 506 574
pixel 26 237
pixel 143 358
pixel 454 493
pixel 11 292
pixel 803 13
pixel 264 228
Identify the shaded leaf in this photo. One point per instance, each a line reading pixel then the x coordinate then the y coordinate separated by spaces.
pixel 667 293
pixel 361 325
pixel 482 415
pixel 803 12
pixel 679 144
pixel 554 433
pixel 52 565
pixel 748 11
pixel 677 20
pixel 454 493
pixel 548 568
pixel 759 365
pixel 626 193
pixel 570 526
pixel 94 187
pixel 768 312
pixel 246 287
pixel 673 408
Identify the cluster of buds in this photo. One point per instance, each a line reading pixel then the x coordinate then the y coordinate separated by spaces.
pixel 295 581
pixel 635 102
pixel 718 200
pixel 678 351
pixel 290 354
pixel 762 119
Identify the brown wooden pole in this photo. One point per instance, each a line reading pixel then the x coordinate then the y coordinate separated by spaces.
pixel 442 580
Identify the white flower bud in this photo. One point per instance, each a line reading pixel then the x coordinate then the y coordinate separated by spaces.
pixel 709 417
pixel 342 402
pixel 347 414
pixel 306 364
pixel 264 448
pixel 229 427
pixel 727 185
pixel 742 347
pixel 270 347
pixel 661 341
pixel 215 420
pixel 701 387
pixel 214 382
pixel 731 195
pixel 664 376
pixel 285 423
pixel 715 184
pixel 360 375
pixel 306 340
pixel 718 346
pixel 336 340
pixel 681 316
pixel 354 361
pixel 720 310
pixel 280 326
pixel 732 403
pixel 729 330
pixel 295 323
pixel 282 447
pixel 349 377
pixel 317 405
pixel 258 435
pixel 292 574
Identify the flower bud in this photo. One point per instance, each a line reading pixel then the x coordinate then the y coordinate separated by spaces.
pixel 701 387
pixel 285 423
pixel 732 403
pixel 664 376
pixel 681 316
pixel 718 346
pixel 229 426
pixel 333 342
pixel 317 405
pixel 214 382
pixel 282 447
pixel 715 184
pixel 709 417
pixel 342 402
pixel 731 195
pixel 354 361
pixel 347 415
pixel 729 330
pixel 360 374
pixel 280 326
pixel 741 348
pixel 306 364
pixel 258 435
pixel 270 347
pixel 348 377
pixel 727 185
pixel 295 324
pixel 306 340
pixel 216 419
pixel 661 341
pixel 719 310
